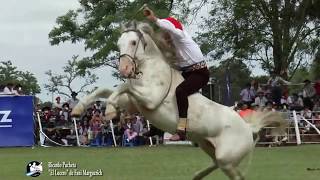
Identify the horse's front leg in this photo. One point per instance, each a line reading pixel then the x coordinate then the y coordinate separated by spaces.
pixel 145 97
pixel 111 111
pixel 117 99
pixel 114 97
pixel 84 102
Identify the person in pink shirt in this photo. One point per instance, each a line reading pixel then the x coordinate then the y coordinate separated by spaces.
pixel 245 111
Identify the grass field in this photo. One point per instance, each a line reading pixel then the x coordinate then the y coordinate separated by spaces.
pixel 160 163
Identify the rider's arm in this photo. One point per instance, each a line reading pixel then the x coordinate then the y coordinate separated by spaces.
pixel 162 23
pixel 168 26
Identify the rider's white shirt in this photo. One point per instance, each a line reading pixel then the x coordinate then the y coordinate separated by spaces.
pixel 187 50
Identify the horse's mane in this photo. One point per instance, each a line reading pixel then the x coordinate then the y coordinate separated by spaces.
pixel 167 50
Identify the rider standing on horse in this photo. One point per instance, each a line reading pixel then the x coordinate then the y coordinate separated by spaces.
pixel 190 61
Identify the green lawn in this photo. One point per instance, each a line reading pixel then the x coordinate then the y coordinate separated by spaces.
pixel 160 163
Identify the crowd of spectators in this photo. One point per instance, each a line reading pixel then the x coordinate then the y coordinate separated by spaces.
pixel 11 89
pixel 275 96
pixel 93 129
pixel 131 129
pixel 276 92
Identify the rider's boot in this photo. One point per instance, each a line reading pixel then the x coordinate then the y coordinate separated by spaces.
pixel 181 130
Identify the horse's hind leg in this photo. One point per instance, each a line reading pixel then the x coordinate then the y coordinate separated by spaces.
pixel 228 166
pixel 204 172
pixel 207 147
pixel 228 159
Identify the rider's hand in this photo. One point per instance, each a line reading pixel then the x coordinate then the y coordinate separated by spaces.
pixel 149 14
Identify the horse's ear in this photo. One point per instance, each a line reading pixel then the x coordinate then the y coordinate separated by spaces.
pixel 134 24
pixel 122 27
pixel 146 28
pixel 128 25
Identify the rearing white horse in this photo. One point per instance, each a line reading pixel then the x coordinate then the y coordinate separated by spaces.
pixel 150 89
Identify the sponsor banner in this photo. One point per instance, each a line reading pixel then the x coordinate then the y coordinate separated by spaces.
pixel 16 121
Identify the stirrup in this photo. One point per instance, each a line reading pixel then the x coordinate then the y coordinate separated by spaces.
pixel 182 124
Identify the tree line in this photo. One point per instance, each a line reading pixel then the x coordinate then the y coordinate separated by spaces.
pixel 280 36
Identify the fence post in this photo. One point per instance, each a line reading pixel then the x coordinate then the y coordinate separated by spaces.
pixel 148 128
pixel 296 127
pixel 112 132
pixel 76 130
pixel 42 138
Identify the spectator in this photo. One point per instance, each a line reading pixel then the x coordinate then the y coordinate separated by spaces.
pixel 295 102
pixel 57 104
pixel 317 88
pixel 307 113
pixel 247 95
pixel 8 89
pixel 316 110
pixel 308 93
pixel 74 100
pixel 38 108
pixel 316 106
pixel 95 125
pixel 255 107
pixel 98 105
pixel 137 125
pixel 1 88
pixel 317 119
pixel 269 106
pixel 88 114
pixel 46 115
pixel 17 90
pixel 53 134
pixel 129 132
pixel 83 132
pixel 62 120
pixel 245 111
pixel 268 95
pixel 285 91
pixel 275 83
pixel 255 87
pixel 66 112
pixel 260 100
pixel 284 101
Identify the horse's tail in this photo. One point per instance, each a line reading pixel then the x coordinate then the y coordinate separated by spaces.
pixel 260 119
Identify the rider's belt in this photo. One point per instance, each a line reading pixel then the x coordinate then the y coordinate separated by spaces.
pixel 197 66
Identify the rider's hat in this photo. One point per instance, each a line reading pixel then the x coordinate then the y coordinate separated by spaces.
pixel 175 22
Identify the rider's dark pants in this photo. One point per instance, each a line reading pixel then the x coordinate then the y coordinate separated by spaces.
pixel 193 81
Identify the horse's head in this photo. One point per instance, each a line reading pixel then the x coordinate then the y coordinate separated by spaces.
pixel 132 45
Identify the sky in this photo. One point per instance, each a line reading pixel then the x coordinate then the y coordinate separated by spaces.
pixel 24 28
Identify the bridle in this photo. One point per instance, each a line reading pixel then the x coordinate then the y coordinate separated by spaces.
pixel 133 58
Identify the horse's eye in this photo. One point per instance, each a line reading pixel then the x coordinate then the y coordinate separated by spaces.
pixel 133 43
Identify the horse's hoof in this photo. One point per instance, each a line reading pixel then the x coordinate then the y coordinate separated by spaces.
pixel 75 115
pixel 77 110
pixel 111 115
pixel 197 176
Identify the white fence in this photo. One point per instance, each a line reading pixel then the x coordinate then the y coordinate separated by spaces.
pixel 43 137
pixel 301 130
